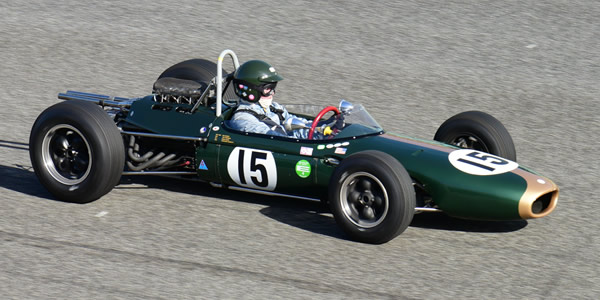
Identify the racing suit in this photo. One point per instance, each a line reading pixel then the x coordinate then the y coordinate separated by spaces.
pixel 252 117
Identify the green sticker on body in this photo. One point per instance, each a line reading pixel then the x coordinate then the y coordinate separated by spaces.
pixel 303 168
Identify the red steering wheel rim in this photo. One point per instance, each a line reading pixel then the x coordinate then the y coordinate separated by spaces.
pixel 318 118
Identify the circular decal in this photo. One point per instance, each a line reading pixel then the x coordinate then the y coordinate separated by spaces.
pixel 480 163
pixel 252 168
pixel 303 168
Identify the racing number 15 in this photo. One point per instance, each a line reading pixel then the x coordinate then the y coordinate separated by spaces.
pixel 252 168
pixel 480 163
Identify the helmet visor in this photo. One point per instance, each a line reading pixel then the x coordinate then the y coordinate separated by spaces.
pixel 267 89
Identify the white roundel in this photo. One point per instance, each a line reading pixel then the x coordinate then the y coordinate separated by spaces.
pixel 480 163
pixel 252 168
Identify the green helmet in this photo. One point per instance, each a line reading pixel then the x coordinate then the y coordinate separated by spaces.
pixel 252 78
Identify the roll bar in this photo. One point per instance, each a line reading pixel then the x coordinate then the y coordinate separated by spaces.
pixel 219 78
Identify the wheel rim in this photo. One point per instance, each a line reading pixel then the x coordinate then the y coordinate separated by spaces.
pixel 364 200
pixel 469 141
pixel 66 154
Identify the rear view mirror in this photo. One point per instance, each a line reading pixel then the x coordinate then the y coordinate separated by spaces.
pixel 346 107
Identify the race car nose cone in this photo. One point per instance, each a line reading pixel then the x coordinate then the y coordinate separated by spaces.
pixel 539 199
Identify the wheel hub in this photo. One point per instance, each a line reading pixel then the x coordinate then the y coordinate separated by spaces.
pixel 66 154
pixel 364 200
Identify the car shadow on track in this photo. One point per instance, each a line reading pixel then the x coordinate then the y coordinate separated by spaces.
pixel 306 215
pixel 21 178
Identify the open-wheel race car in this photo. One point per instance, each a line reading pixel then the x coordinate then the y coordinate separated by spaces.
pixel 373 181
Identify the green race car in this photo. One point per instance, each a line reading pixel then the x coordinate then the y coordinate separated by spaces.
pixel 373 181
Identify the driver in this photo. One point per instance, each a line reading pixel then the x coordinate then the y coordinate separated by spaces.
pixel 254 82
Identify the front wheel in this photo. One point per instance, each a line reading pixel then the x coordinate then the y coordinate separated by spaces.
pixel 477 130
pixel 76 151
pixel 372 197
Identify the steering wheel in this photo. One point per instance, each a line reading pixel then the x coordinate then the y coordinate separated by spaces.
pixel 318 118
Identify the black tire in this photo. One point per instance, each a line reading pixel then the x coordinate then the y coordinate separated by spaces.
pixel 371 197
pixel 477 130
pixel 76 151
pixel 199 70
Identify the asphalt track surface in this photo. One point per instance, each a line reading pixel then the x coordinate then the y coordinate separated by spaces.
pixel 532 64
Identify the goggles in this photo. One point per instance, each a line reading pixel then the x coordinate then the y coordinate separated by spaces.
pixel 269 87
pixel 244 86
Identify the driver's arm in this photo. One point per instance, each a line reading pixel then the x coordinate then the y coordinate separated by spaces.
pixel 248 123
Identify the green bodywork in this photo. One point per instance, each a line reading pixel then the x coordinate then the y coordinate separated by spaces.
pixel 224 151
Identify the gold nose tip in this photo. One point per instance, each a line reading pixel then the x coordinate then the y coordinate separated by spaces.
pixel 539 199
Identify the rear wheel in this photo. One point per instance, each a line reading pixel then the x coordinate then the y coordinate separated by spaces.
pixel 477 130
pixel 372 197
pixel 199 70
pixel 76 151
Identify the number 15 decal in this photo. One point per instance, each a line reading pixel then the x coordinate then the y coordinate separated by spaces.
pixel 480 163
pixel 252 168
